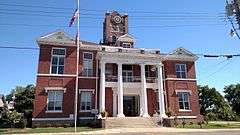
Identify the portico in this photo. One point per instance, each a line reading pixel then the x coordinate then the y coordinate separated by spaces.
pixel 135 86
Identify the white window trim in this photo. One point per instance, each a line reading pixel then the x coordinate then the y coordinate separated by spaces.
pixel 184 91
pixel 88 60
pixel 55 89
pixel 85 90
pixel 56 55
pixel 128 77
pixel 185 65
pixel 54 111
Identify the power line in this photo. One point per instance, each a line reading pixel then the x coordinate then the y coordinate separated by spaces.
pixel 86 26
pixel 102 10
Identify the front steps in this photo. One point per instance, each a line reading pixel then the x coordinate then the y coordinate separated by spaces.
pixel 131 122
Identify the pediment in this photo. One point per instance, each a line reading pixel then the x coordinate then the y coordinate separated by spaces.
pixel 56 37
pixel 126 38
pixel 183 52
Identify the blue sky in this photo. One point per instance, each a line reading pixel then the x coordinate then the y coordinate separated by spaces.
pixel 198 26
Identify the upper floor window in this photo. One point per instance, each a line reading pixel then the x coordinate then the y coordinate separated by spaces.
pixel 126 45
pixel 58 56
pixel 55 100
pixel 86 100
pixel 183 100
pixel 87 64
pixel 181 71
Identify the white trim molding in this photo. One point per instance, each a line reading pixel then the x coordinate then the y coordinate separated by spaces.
pixel 52 111
pixel 50 119
pixel 88 77
pixel 188 91
pixel 180 79
pixel 184 117
pixel 91 90
pixel 182 110
pixel 55 89
pixel 58 75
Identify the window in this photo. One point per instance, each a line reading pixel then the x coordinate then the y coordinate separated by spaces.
pixel 87 64
pixel 126 45
pixel 55 100
pixel 127 76
pixel 114 39
pixel 86 100
pixel 58 56
pixel 183 99
pixel 181 70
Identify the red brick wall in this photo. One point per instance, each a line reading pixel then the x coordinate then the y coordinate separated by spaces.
pixel 40 102
pixel 170 72
pixel 172 85
pixel 45 59
pixel 152 101
pixel 109 101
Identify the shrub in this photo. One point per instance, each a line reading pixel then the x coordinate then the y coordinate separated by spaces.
pixel 21 124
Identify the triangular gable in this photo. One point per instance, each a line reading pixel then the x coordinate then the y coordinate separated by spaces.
pixel 126 38
pixel 55 37
pixel 183 51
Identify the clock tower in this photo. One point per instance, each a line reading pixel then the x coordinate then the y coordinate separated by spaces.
pixel 115 25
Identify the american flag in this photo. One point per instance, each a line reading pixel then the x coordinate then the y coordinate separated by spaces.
pixel 74 17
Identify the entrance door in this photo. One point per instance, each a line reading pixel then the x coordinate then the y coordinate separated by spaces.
pixel 130 105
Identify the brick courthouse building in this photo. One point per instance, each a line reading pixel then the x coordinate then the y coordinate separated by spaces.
pixel 113 76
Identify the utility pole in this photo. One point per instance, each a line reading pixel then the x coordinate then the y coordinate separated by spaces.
pixel 233 11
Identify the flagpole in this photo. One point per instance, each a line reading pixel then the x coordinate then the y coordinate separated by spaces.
pixel 78 46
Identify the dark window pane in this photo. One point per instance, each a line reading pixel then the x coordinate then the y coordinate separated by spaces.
pixel 181 105
pixel 87 56
pixel 178 74
pixel 54 60
pixel 60 69
pixel 50 106
pixel 58 108
pixel 186 105
pixel 178 68
pixel 183 75
pixel 183 67
pixel 54 69
pixel 61 60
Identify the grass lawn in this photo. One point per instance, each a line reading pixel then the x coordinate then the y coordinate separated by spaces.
pixel 214 125
pixel 44 130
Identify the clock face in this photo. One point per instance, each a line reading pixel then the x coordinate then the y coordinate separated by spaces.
pixel 117 19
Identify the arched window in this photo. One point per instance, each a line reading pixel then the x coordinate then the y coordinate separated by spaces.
pixel 114 39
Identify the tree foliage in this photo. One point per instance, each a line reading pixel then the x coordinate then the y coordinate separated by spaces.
pixel 232 94
pixel 213 104
pixel 24 99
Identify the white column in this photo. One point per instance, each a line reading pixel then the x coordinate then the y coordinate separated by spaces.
pixel 114 103
pixel 120 91
pixel 102 87
pixel 160 92
pixel 144 92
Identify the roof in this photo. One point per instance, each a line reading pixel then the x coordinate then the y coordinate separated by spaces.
pixel 126 38
pixel 59 37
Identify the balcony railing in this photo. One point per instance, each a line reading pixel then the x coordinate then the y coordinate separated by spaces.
pixel 112 78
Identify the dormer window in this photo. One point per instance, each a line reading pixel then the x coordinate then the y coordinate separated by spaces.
pixel 126 45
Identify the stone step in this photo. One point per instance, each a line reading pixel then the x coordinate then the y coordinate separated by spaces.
pixel 131 122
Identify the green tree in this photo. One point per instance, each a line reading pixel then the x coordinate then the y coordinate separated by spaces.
pixel 213 104
pixel 232 94
pixel 24 99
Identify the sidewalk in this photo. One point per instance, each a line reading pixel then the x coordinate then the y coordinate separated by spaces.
pixel 142 130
